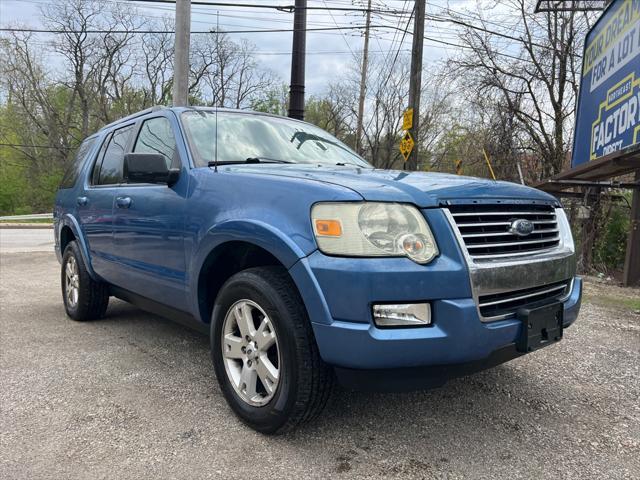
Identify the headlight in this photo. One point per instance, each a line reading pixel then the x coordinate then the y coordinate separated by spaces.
pixel 373 229
pixel 565 229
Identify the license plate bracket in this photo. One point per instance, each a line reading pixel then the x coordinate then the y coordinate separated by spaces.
pixel 542 326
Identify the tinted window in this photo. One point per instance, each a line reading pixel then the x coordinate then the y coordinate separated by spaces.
pixel 156 136
pixel 72 173
pixel 96 166
pixel 112 162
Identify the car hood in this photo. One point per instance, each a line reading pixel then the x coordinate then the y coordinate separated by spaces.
pixel 424 189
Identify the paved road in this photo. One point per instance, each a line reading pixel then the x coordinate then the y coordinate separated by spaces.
pixel 133 396
pixel 14 240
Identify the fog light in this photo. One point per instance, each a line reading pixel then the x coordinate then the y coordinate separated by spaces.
pixel 402 315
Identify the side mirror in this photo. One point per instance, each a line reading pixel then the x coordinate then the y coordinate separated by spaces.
pixel 149 168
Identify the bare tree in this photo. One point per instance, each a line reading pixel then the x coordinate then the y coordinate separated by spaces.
pixel 225 73
pixel 27 83
pixel 536 76
pixel 73 19
pixel 334 112
pixel 387 96
pixel 156 60
pixel 116 63
pixel 247 79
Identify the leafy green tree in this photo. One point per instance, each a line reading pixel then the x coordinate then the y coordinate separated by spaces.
pixel 274 100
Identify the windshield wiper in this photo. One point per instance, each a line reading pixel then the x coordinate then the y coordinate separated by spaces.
pixel 344 164
pixel 213 163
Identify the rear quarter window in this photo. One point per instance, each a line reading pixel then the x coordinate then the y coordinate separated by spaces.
pixel 73 172
pixel 108 170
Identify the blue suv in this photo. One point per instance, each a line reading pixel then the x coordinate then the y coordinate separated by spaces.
pixel 304 263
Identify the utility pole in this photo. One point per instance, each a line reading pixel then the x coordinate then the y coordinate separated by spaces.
pixel 415 80
pixel 181 55
pixel 296 89
pixel 363 80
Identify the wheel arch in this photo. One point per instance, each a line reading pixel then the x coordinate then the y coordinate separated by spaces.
pixel 70 230
pixel 231 248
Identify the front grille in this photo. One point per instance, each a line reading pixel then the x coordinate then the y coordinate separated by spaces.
pixel 485 229
pixel 506 304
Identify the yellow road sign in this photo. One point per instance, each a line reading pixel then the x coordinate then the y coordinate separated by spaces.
pixel 406 145
pixel 407 119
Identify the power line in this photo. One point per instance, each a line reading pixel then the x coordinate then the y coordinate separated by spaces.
pixel 486 30
pixel 393 63
pixel 199 11
pixel 290 8
pixel 281 8
pixel 387 60
pixel 274 30
pixel 336 24
pixel 395 59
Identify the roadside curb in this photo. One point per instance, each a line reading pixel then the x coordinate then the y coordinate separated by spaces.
pixel 22 226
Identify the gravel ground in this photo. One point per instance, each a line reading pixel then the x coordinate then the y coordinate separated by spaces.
pixel 133 396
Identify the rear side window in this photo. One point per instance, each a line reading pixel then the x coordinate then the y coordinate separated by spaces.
pixel 156 136
pixel 111 168
pixel 71 175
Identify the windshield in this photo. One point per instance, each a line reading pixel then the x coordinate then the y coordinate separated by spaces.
pixel 243 136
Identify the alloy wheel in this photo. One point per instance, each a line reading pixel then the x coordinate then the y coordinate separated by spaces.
pixel 72 282
pixel 250 352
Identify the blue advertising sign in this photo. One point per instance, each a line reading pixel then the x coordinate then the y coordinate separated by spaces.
pixel 608 115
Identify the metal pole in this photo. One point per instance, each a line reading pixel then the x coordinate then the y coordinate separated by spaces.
pixel 296 89
pixel 415 80
pixel 631 275
pixel 181 55
pixel 363 80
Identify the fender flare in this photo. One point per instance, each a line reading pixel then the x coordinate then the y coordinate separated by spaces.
pixel 70 221
pixel 255 232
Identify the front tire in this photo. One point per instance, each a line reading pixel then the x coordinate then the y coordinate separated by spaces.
pixel 83 297
pixel 264 353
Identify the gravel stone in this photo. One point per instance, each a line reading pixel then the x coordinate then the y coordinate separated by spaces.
pixel 134 396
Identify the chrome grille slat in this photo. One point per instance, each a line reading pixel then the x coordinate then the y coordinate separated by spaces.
pixel 511 255
pixel 504 305
pixel 498 224
pixel 484 229
pixel 484 214
pixel 522 297
pixel 493 224
pixel 502 234
pixel 510 244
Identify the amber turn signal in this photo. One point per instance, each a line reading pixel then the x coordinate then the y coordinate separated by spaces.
pixel 328 228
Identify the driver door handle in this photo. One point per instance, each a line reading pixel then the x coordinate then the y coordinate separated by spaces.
pixel 123 202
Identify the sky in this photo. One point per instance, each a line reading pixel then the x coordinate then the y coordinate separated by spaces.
pixel 328 52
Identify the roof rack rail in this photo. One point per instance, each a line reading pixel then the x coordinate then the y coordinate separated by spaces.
pixel 135 115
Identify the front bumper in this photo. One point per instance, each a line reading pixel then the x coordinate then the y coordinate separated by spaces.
pixel 339 299
pixel 339 294
pixel 456 337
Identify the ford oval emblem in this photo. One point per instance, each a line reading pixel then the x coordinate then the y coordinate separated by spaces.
pixel 521 227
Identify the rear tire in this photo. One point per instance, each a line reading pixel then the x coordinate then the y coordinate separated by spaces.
pixel 83 297
pixel 304 382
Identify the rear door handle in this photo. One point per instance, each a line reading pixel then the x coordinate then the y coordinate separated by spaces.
pixel 123 202
pixel 82 201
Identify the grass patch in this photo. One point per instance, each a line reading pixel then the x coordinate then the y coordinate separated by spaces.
pixel 616 302
pixel 38 220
